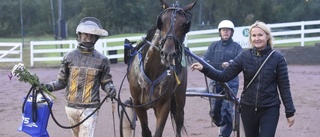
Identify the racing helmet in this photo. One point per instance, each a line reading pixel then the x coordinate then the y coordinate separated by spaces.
pixel 226 24
pixel 91 25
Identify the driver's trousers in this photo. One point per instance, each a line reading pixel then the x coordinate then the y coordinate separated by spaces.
pixel 224 107
pixel 76 115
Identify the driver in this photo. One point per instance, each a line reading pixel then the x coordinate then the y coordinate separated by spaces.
pixel 82 72
pixel 219 55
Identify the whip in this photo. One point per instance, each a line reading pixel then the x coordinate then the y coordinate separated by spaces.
pixel 114 126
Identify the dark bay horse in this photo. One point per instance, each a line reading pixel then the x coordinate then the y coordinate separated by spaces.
pixel 157 74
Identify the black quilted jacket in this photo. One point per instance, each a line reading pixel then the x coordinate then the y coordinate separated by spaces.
pixel 263 91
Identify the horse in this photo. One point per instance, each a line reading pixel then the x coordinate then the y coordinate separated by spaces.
pixel 157 73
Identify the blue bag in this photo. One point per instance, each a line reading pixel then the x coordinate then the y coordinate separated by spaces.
pixel 35 117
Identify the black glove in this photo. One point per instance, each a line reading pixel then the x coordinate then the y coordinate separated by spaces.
pixel 48 86
pixel 111 90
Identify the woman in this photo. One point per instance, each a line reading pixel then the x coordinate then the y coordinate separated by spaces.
pixel 260 102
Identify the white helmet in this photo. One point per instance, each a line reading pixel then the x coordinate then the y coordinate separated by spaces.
pixel 91 25
pixel 226 24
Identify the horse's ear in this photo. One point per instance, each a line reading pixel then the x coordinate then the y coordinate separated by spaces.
pixel 164 4
pixel 189 7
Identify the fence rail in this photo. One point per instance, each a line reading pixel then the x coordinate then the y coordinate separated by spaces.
pixel 42 50
pixel 283 33
pixel 10 52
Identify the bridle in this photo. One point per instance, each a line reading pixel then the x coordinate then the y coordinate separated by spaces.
pixel 171 34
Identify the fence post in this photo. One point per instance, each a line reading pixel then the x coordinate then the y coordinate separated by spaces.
pixel 302 33
pixel 31 53
pixel 186 40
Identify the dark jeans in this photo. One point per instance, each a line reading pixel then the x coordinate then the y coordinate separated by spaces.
pixel 224 108
pixel 260 123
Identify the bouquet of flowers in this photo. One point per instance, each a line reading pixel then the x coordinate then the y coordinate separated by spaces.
pixel 24 75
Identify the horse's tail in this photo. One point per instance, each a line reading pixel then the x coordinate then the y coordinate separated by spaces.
pixel 174 117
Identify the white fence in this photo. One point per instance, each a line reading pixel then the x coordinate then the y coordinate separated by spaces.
pixel 42 50
pixel 10 52
pixel 283 33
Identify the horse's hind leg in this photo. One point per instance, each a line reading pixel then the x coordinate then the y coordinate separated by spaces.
pixel 143 117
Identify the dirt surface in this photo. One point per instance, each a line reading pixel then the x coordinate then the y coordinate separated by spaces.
pixel 305 87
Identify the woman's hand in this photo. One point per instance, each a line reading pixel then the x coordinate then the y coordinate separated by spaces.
pixel 290 121
pixel 196 66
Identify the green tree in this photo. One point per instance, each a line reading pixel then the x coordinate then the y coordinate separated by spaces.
pixel 10 18
pixel 128 16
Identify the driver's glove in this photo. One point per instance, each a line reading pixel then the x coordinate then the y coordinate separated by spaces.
pixel 110 90
pixel 49 87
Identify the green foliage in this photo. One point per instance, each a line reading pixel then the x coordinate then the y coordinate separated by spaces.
pixel 127 16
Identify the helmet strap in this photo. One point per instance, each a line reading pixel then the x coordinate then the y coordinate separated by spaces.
pixel 86 46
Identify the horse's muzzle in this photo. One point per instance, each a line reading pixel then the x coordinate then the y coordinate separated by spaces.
pixel 167 58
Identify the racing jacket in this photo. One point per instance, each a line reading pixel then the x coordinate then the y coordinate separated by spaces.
pixel 82 74
pixel 263 91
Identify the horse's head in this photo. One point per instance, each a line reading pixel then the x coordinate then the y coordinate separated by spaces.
pixel 173 23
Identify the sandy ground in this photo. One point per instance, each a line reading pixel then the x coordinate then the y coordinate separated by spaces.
pixel 305 88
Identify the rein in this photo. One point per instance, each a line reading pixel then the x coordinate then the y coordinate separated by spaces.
pixel 35 92
pixel 151 44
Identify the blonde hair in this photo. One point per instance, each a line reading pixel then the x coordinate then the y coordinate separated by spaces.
pixel 265 28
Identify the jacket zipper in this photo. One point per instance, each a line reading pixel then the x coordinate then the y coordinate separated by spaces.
pixel 256 105
pixel 259 77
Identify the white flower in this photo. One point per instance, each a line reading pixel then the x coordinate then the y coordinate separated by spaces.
pixel 19 67
pixel 24 75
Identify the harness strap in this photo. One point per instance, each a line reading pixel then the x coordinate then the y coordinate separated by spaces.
pixel 133 54
pixel 145 77
pixel 152 83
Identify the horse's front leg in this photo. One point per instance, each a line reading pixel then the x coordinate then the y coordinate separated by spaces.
pixel 161 111
pixel 143 117
pixel 180 100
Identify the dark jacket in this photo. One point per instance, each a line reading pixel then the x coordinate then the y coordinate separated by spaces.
pixel 263 91
pixel 223 51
